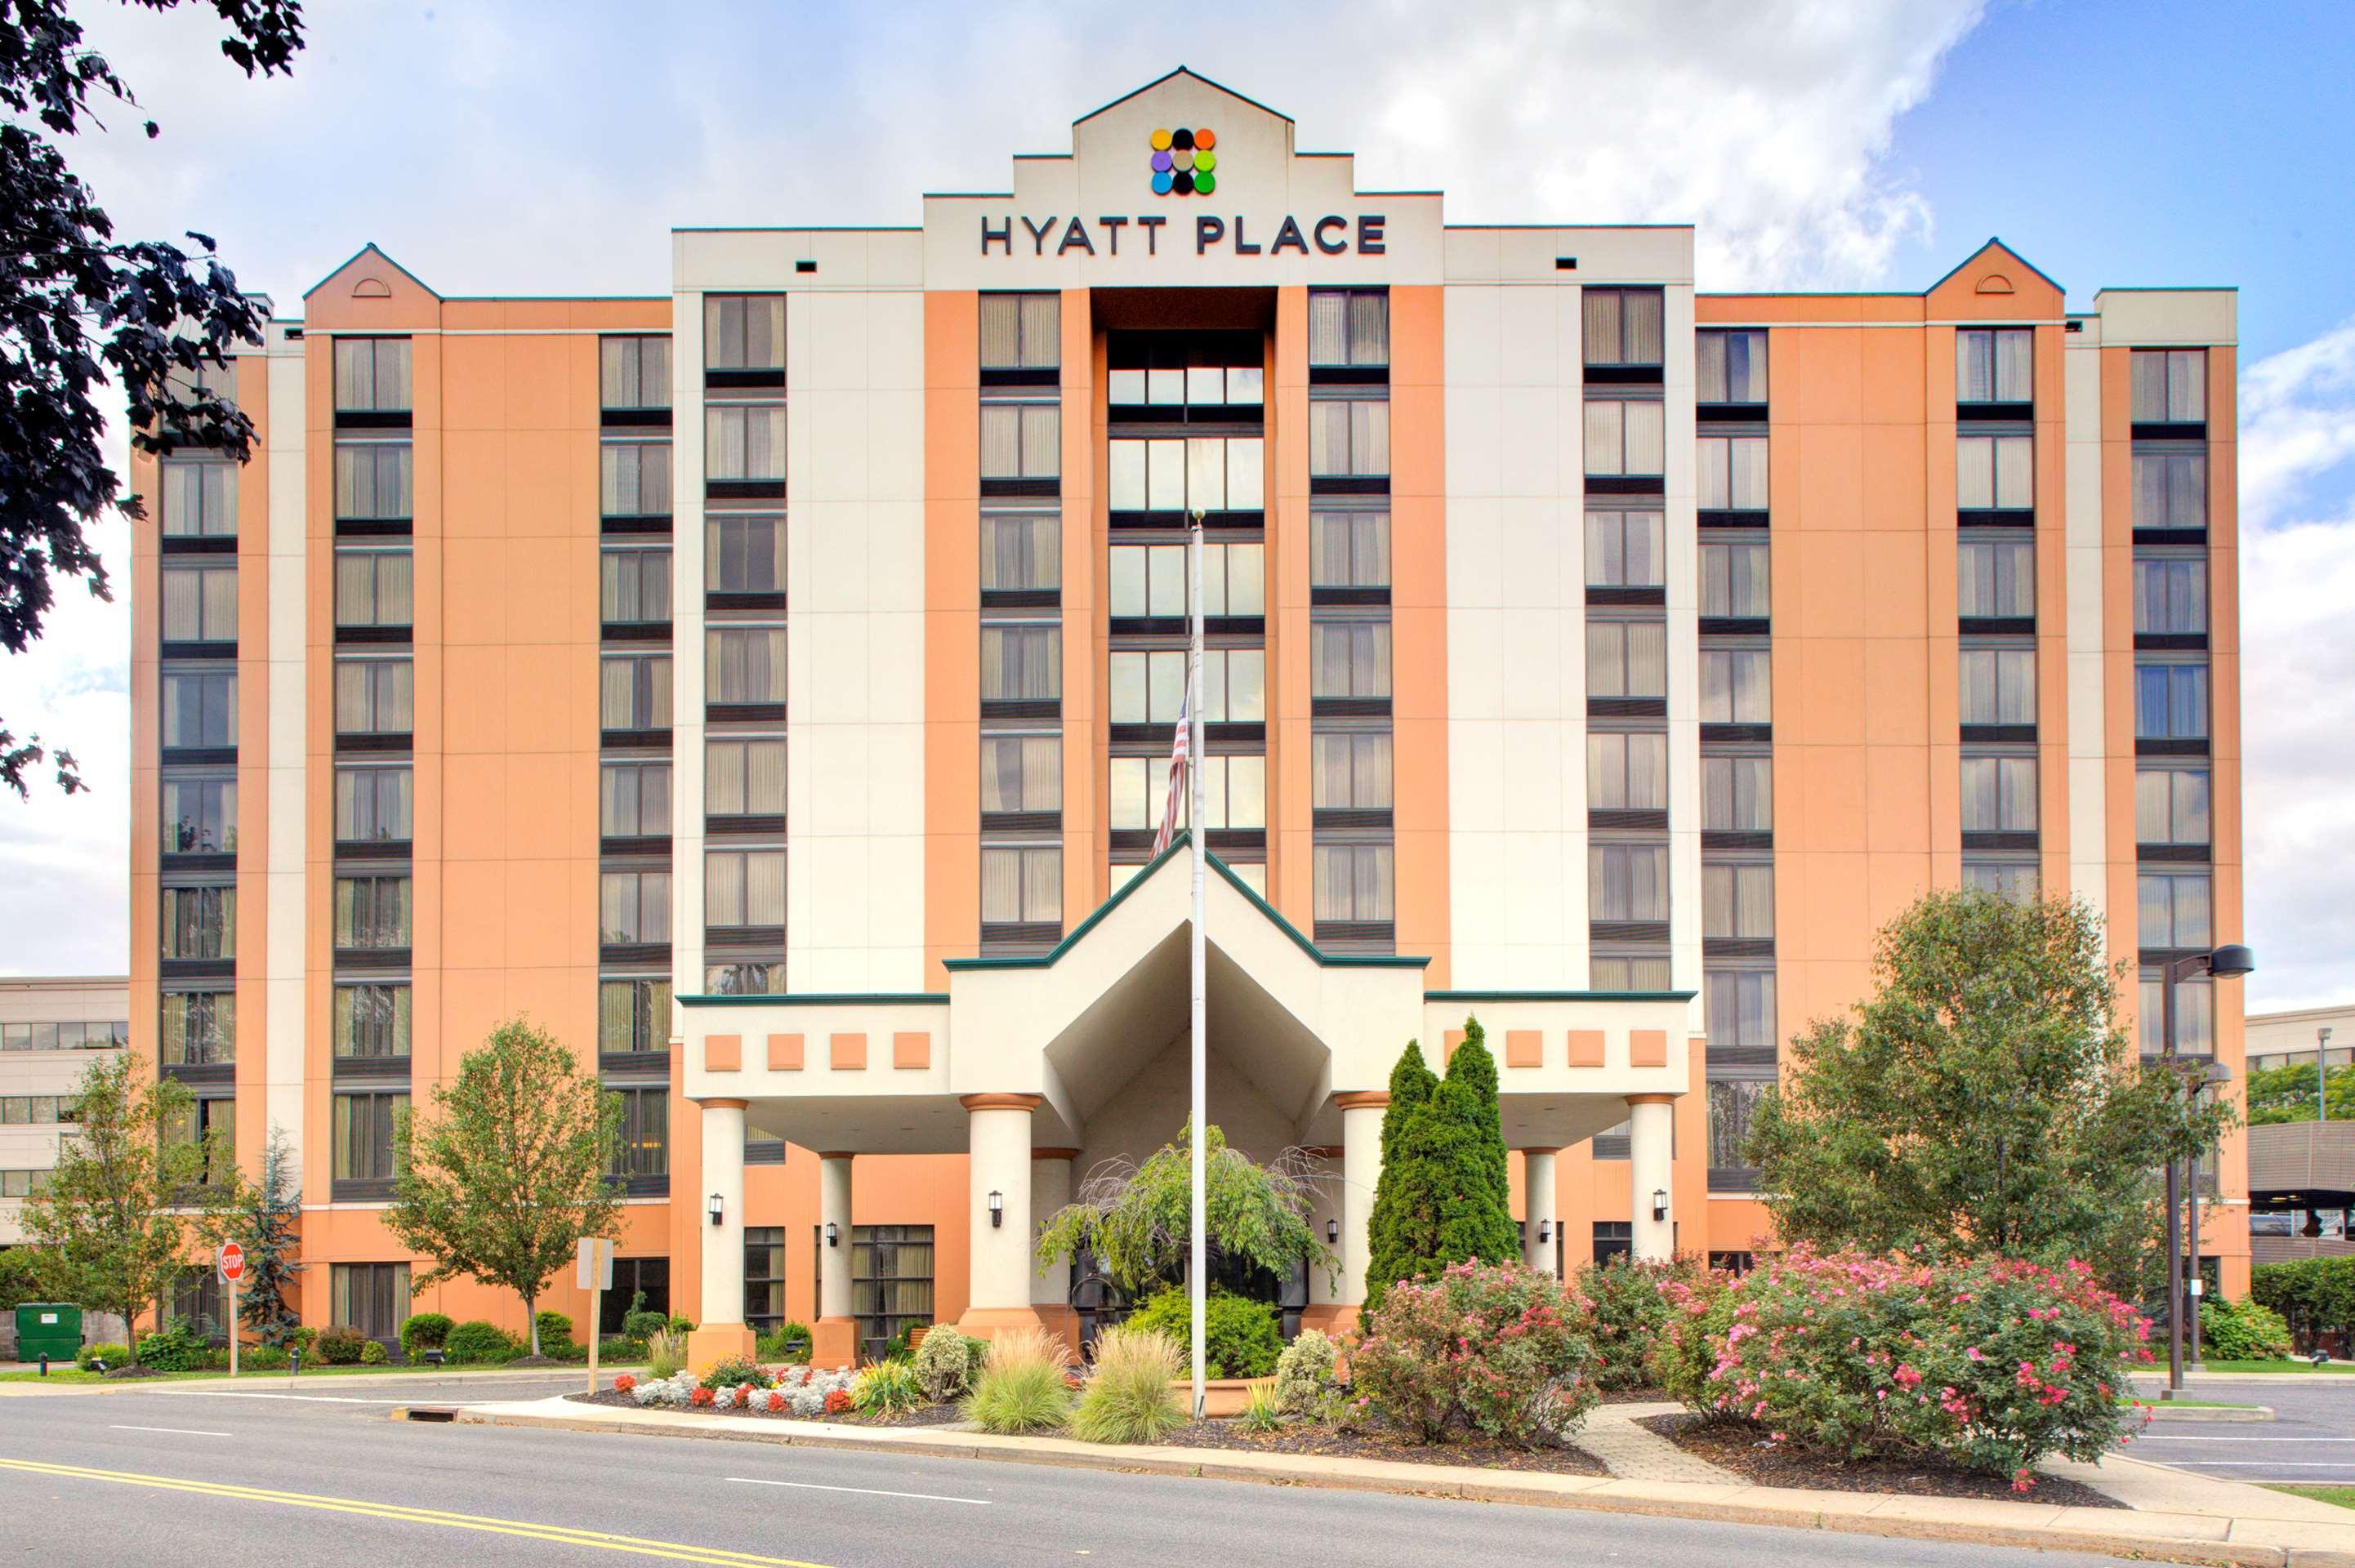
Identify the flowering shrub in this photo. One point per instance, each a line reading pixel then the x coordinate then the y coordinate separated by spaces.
pixel 1498 1349
pixel 800 1391
pixel 700 1397
pixel 733 1371
pixel 1994 1364
pixel 776 1402
pixel 1630 1304
pixel 624 1384
pixel 837 1400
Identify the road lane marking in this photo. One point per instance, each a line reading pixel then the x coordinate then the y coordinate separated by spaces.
pixel 563 1535
pixel 2187 1437
pixel 304 1398
pixel 863 1491
pixel 175 1431
pixel 2275 1463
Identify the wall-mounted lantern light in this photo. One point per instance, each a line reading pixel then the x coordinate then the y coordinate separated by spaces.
pixel 1659 1203
pixel 1332 1232
pixel 830 1232
pixel 996 1209
pixel 717 1208
pixel 1545 1231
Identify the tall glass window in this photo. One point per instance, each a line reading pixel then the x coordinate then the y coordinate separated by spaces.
pixel 1995 365
pixel 1623 326
pixel 1625 549
pixel 1730 367
pixel 1021 332
pixel 633 372
pixel 374 586
pixel 2169 386
pixel 371 1020
pixel 744 332
pixel 199 602
pixel 1626 436
pixel 372 374
pixel 1995 472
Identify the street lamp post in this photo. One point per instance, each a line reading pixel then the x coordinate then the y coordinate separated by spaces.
pixel 2221 963
pixel 2322 1072
pixel 2215 1076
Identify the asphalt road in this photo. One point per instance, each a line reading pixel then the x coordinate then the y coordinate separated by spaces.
pixel 224 1472
pixel 2311 1440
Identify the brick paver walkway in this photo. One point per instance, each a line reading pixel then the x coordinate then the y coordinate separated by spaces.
pixel 1636 1452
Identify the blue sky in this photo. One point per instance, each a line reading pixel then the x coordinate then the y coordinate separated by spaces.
pixel 541 147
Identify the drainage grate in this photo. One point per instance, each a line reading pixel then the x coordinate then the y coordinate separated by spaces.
pixel 428 1412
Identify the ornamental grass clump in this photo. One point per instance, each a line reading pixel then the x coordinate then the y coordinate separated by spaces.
pixel 886 1388
pixel 1262 1409
pixel 1992 1364
pixel 666 1354
pixel 1128 1397
pixel 1496 1349
pixel 1022 1386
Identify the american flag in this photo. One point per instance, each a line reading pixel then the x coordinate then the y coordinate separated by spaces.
pixel 1176 773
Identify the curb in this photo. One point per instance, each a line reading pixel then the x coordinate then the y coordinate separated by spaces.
pixel 2202 1412
pixel 269 1381
pixel 1807 1510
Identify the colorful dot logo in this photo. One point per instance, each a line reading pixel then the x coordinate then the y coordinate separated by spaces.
pixel 1185 163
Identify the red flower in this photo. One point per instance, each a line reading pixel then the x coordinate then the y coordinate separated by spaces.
pixel 776 1402
pixel 624 1384
pixel 701 1396
pixel 837 1400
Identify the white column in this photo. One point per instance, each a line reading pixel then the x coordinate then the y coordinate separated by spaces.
pixel 834 1259
pixel 1651 1130
pixel 1540 1206
pixel 1362 1171
pixel 998 1143
pixel 1050 1189
pixel 723 1244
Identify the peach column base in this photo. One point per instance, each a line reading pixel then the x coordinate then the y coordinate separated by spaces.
pixel 834 1342
pixel 710 1345
pixel 989 1322
pixel 1063 1323
pixel 1332 1318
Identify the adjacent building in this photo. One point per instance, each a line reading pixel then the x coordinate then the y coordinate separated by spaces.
pixel 769 685
pixel 52 1030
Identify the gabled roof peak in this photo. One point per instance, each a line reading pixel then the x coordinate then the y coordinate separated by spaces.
pixel 1191 75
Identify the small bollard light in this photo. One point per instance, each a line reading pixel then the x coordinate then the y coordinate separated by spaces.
pixel 98 1365
pixel 435 1355
pixel 294 1362
pixel 2321 1357
pixel 44 1363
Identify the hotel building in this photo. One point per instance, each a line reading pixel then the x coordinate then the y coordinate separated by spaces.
pixel 768 687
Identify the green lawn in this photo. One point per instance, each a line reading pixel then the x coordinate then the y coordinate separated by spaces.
pixel 2158 1404
pixel 2343 1496
pixel 2285 1366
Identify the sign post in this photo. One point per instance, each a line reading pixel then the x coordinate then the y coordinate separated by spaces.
pixel 593 1272
pixel 231 1265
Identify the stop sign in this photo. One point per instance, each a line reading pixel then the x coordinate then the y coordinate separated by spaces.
pixel 231 1263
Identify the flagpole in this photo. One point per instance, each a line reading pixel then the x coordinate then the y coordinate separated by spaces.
pixel 1197 1270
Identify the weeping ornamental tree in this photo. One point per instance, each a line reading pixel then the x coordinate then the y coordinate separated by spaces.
pixel 1137 1221
pixel 1443 1195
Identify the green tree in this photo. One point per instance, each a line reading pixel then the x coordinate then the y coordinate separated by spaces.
pixel 1481 1223
pixel 1442 1197
pixel 265 1227
pixel 24 1276
pixel 510 1173
pixel 2286 1094
pixel 1984 1097
pixel 135 1197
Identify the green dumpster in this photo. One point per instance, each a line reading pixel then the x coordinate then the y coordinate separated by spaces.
pixel 49 1328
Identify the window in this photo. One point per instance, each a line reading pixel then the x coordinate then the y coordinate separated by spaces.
pixel 744 332
pixel 744 664
pixel 1736 686
pixel 764 1264
pixel 1202 473
pixel 1623 326
pixel 743 888
pixel 372 374
pixel 632 906
pixel 641 1142
pixel 1235 685
pixel 744 555
pixel 371 1021
pixel 1627 882
pixel 1349 326
pixel 1021 441
pixel 1021 332
pixel 1731 1104
pixel 200 815
pixel 362 1133
pixel 1021 885
pixel 372 804
pixel 634 692
pixel 891 1282
pixel 744 979
pixel 2017 880
pixel 744 442
pixel 35 1111
pixel 1625 549
pixel 633 478
pixel 373 480
pixel 1168 385
pixel 1994 365
pixel 1148 687
pixel 745 778
pixel 2171 490
pixel 633 800
pixel 2169 386
pixel 2171 702
pixel 21 1183
pixel 199 1028
pixel 1996 579
pixel 1351 771
pixel 211 1120
pixel 373 696
pixel 2170 596
pixel 1349 436
pixel 2172 806
pixel 1022 663
pixel 199 603
pixel 371 1297
pixel 633 1016
pixel 1733 578
pixel 1022 772
pixel 1626 659
pixel 1999 685
pixel 2195 1015
pixel 633 585
pixel 1349 550
pixel 2174 909
pixel 199 709
pixel 199 923
pixel 198 1304
pixel 1150 580
pixel 1737 794
pixel 1351 659
pixel 1737 902
pixel 1733 473
pixel 633 372
pixel 373 588
pixel 1739 1005
pixel 1995 472
pixel 1998 794
pixel 1234 792
pixel 1730 367
pixel 371 912
pixel 1626 435
pixel 1354 883
pixel 199 498
pixel 1021 552
pixel 1626 971
pixel 1627 772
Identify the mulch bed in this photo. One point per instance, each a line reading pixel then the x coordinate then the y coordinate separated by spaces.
pixel 1747 1454
pixel 133 1371
pixel 1329 1443
pixel 930 1415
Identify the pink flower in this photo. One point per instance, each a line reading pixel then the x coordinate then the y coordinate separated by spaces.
pixel 1973 1355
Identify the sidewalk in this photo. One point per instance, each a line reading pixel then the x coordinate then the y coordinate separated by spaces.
pixel 2174 1516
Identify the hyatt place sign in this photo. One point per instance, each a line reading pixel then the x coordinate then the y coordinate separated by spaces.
pixel 1331 235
